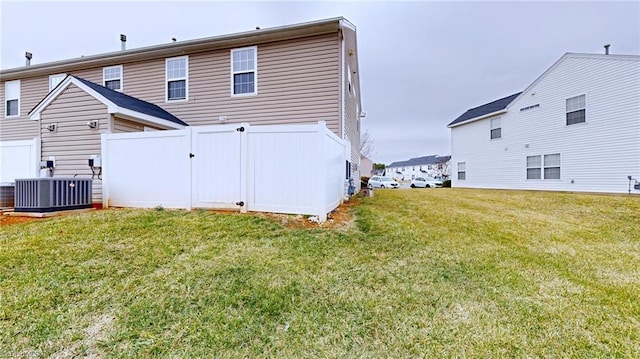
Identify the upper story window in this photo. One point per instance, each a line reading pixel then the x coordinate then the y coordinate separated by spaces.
pixel 177 74
pixel 54 80
pixel 12 98
pixel 496 128
pixel 462 171
pixel 243 71
pixel 112 77
pixel 576 110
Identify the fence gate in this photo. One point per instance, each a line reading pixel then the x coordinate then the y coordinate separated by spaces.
pixel 217 155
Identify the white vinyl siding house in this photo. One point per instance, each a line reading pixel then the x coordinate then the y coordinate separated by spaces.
pixel 426 166
pixel 575 128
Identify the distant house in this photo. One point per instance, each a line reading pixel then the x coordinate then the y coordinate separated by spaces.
pixel 426 166
pixel 575 128
pixel 366 166
pixel 294 74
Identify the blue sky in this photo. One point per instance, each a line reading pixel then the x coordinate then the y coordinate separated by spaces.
pixel 422 63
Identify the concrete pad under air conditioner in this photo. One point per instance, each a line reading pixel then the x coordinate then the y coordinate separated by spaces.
pixel 47 214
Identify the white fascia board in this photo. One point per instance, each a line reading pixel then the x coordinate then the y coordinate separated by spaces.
pixel 500 112
pixel 144 117
pixel 346 23
pixel 35 113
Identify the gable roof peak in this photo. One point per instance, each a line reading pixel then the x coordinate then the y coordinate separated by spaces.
pixel 116 102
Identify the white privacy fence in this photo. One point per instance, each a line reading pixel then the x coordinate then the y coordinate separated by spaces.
pixel 19 159
pixel 297 169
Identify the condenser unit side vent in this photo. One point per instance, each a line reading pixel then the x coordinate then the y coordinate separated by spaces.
pixel 50 194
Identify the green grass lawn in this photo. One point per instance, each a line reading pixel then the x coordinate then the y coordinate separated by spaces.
pixel 421 273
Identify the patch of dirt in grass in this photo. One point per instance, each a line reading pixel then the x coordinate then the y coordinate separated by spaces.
pixel 96 332
pixel 341 217
pixel 613 276
pixel 7 220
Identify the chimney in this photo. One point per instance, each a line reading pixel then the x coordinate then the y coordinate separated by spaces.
pixel 123 42
pixel 606 49
pixel 28 57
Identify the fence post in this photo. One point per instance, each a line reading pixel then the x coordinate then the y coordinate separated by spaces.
pixel 244 166
pixel 37 156
pixel 105 169
pixel 321 164
pixel 188 133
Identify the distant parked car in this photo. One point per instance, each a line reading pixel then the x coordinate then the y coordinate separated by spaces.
pixel 382 182
pixel 425 182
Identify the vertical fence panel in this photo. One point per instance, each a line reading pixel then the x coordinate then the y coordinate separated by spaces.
pixel 334 160
pixel 281 164
pixel 217 163
pixel 147 169
pixel 19 159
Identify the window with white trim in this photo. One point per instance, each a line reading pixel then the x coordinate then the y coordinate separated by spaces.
pixel 543 166
pixel 12 98
pixel 576 110
pixel 552 166
pixel 534 167
pixel 112 77
pixel 462 171
pixel 496 128
pixel 243 71
pixel 54 80
pixel 177 74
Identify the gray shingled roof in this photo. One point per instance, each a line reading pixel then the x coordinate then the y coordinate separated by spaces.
pixel 485 109
pixel 421 161
pixel 132 103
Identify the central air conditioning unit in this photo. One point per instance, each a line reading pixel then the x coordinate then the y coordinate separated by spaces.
pixel 50 194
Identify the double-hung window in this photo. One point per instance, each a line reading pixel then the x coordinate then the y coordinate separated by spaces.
pixel 12 98
pixel 112 77
pixel 243 71
pixel 54 80
pixel 496 128
pixel 534 167
pixel 552 166
pixel 177 74
pixel 462 171
pixel 576 112
pixel 543 166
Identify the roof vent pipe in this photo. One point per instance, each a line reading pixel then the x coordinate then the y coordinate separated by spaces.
pixel 123 42
pixel 28 57
pixel 606 49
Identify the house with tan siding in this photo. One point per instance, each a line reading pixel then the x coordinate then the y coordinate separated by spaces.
pixel 294 74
